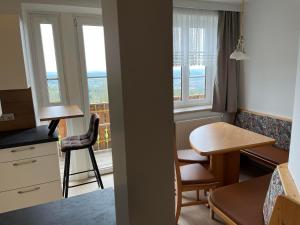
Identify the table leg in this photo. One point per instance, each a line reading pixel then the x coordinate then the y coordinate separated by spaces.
pixel 226 167
pixel 51 124
pixel 52 127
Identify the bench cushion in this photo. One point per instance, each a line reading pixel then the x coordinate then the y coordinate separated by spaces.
pixel 243 202
pixel 190 156
pixel 270 153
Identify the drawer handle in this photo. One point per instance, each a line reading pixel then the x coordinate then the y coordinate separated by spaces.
pixel 22 149
pixel 25 163
pixel 29 190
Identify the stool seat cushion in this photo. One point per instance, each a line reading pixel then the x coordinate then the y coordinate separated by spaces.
pixel 243 202
pixel 196 174
pixel 271 153
pixel 190 156
pixel 75 143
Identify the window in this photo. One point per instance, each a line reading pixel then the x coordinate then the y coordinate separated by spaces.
pixel 94 49
pixel 194 56
pixel 48 57
pixel 50 63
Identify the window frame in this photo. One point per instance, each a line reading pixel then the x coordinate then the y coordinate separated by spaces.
pixel 36 20
pixel 210 73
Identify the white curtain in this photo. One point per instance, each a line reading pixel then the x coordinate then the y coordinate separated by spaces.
pixel 194 36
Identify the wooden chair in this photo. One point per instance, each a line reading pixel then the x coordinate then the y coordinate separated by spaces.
pixel 191 177
pixel 189 156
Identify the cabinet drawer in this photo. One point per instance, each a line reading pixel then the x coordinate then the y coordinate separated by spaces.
pixel 30 196
pixel 29 151
pixel 28 172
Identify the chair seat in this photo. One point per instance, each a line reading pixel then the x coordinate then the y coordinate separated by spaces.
pixel 195 174
pixel 243 202
pixel 75 143
pixel 271 153
pixel 190 156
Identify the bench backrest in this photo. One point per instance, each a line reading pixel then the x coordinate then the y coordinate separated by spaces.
pixel 286 212
pixel 277 128
pixel 282 203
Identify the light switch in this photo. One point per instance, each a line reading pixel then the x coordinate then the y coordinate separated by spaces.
pixel 7 117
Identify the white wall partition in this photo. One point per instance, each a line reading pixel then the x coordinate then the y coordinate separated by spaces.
pixel 139 64
pixel 294 165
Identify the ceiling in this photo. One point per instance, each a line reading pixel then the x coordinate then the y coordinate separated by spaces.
pixel 226 1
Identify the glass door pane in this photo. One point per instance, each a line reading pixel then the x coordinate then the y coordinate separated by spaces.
pixel 52 76
pixel 96 80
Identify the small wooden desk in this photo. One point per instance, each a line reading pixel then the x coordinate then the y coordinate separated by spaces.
pixel 56 113
pixel 222 142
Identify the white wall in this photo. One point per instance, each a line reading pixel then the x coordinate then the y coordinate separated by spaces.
pixel 294 165
pixel 272 33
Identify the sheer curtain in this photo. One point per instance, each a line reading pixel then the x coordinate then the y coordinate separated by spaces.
pixel 195 42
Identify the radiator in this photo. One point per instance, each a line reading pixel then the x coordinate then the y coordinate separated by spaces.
pixel 184 128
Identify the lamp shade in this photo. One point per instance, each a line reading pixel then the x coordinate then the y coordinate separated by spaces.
pixel 240 54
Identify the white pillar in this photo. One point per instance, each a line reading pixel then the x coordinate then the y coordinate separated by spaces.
pixel 138 38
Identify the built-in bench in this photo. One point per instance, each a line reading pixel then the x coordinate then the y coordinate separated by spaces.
pixel 277 128
pixel 259 201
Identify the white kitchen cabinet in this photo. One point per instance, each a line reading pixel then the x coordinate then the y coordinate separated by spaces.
pixel 29 196
pixel 29 176
pixel 13 73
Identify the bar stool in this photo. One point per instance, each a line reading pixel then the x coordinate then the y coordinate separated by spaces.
pixel 84 141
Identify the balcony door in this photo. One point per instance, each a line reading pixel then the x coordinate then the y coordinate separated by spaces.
pixel 94 76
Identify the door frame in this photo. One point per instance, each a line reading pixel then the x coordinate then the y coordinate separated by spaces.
pixel 79 21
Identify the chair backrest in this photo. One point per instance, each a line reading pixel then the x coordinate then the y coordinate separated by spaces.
pixel 177 165
pixel 93 128
pixel 176 161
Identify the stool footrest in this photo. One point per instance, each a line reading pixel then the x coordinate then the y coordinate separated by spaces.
pixel 67 174
pixel 77 185
pixel 81 172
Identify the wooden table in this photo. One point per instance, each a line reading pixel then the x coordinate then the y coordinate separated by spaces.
pixel 222 142
pixel 56 113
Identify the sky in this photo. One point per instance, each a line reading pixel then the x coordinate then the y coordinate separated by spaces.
pixel 94 50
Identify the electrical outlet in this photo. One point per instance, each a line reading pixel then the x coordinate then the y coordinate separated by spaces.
pixel 7 117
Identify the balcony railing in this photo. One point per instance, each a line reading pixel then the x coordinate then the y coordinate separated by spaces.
pixel 104 134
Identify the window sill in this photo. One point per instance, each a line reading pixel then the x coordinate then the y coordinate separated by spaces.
pixel 192 109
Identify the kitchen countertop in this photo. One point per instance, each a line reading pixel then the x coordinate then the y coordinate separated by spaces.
pixel 94 208
pixel 31 136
